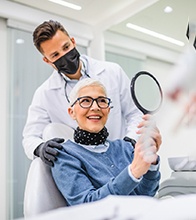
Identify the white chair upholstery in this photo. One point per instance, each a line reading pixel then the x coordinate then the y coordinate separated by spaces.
pixel 41 193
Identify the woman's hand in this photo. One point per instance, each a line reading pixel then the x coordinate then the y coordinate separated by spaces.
pixel 146 148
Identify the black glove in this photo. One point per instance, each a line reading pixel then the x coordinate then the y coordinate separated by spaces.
pixel 47 152
pixel 133 142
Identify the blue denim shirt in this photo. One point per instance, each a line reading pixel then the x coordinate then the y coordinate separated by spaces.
pixel 85 176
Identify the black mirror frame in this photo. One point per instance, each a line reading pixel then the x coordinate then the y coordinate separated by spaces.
pixel 132 88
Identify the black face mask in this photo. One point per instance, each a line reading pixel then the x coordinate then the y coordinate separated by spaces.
pixel 69 63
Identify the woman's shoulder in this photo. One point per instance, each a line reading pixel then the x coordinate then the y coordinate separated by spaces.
pixel 69 143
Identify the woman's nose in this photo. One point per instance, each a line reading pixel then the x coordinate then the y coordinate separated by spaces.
pixel 94 106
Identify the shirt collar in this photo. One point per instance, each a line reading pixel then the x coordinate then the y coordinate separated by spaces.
pixel 97 148
pixel 92 67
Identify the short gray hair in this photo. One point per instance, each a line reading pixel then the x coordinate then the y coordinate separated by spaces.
pixel 84 83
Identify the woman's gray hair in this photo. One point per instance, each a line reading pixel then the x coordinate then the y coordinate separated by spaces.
pixel 84 83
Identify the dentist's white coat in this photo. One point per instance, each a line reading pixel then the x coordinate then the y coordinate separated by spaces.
pixel 49 104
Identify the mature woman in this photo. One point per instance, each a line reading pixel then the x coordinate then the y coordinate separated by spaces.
pixel 91 167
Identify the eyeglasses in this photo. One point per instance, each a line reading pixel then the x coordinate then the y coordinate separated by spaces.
pixel 87 102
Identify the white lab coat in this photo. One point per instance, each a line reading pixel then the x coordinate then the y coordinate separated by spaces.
pixel 49 104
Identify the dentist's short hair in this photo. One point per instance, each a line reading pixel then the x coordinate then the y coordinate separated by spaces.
pixel 82 84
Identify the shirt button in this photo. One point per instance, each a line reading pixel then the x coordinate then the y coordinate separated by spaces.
pixel 112 165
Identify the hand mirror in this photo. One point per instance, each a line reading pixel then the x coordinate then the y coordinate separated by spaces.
pixel 146 92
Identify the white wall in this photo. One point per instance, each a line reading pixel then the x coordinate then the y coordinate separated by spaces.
pixel 146 50
pixel 3 118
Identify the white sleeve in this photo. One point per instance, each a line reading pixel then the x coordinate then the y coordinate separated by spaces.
pixel 37 119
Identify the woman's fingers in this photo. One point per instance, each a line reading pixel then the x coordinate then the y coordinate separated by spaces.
pixel 148 129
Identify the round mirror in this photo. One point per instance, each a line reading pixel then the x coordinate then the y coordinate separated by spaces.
pixel 146 92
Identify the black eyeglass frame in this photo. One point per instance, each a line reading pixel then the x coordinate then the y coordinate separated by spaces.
pixel 96 100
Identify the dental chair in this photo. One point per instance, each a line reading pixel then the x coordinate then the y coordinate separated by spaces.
pixel 182 180
pixel 41 194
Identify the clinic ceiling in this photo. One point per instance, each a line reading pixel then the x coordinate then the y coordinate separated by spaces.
pixel 114 14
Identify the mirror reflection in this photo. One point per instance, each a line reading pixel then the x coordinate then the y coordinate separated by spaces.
pixel 146 92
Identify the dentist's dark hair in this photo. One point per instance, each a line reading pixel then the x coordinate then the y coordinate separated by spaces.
pixel 46 31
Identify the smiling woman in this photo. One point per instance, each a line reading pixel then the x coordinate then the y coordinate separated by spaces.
pixel 91 167
pixel 90 106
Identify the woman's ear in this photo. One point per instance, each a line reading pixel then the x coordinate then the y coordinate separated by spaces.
pixel 71 113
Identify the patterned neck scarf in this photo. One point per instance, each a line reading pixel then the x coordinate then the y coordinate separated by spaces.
pixel 88 138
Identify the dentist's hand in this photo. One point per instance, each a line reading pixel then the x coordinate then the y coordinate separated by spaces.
pixel 47 152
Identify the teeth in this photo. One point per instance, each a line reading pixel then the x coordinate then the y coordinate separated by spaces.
pixel 94 117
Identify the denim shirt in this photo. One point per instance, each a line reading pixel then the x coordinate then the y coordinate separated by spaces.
pixel 85 176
